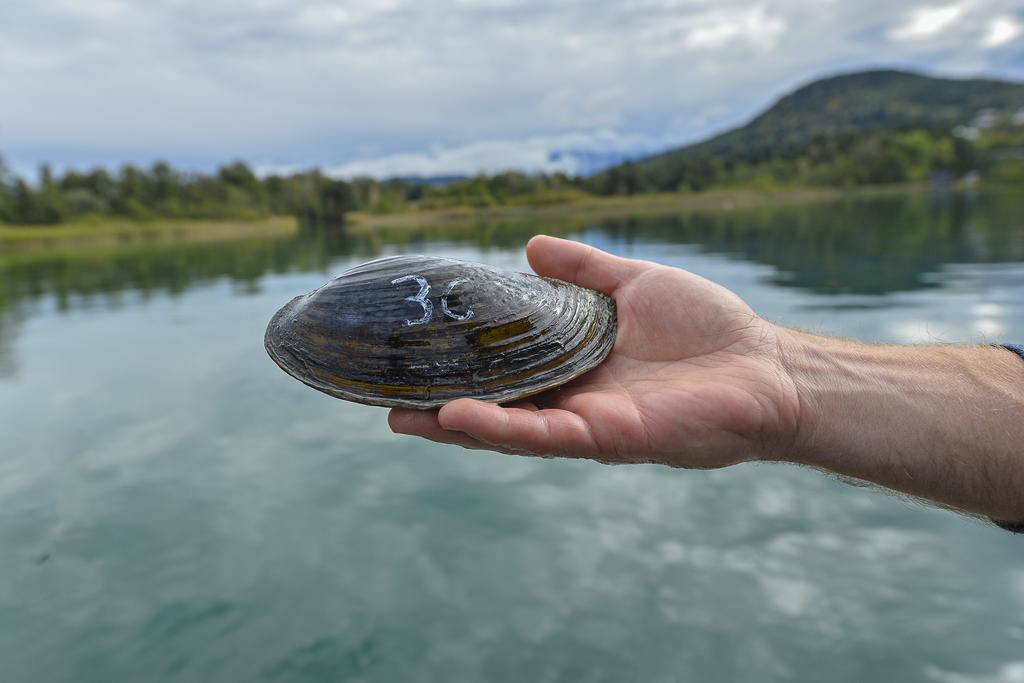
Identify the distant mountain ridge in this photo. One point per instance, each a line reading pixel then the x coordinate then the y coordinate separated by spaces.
pixel 850 103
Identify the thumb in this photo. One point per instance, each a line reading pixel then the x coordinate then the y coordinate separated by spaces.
pixel 581 264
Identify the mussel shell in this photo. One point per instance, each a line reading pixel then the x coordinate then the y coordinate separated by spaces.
pixel 419 331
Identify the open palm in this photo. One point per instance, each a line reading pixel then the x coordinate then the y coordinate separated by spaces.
pixel 696 378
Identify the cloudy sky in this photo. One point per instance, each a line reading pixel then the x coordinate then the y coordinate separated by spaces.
pixel 406 87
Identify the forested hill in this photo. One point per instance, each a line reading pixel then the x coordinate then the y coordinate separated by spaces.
pixel 833 113
pixel 857 103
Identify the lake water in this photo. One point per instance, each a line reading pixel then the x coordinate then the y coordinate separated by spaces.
pixel 175 508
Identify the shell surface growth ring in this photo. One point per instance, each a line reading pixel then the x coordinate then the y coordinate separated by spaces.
pixel 419 331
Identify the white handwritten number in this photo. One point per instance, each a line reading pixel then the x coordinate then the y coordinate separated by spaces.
pixel 444 301
pixel 420 298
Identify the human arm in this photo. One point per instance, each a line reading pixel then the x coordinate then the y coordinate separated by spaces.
pixel 696 379
pixel 943 423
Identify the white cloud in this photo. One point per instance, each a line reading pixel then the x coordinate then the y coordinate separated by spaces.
pixel 409 84
pixel 925 22
pixel 570 153
pixel 1011 672
pixel 754 26
pixel 1001 31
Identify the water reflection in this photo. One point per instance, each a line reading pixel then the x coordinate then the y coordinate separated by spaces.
pixel 176 508
pixel 868 246
pixel 80 278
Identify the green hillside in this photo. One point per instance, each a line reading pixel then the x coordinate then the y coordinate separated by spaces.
pixel 855 103
pixel 847 118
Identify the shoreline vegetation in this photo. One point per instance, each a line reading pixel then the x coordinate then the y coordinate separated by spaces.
pixel 112 232
pixel 593 207
pixel 99 232
pixel 162 204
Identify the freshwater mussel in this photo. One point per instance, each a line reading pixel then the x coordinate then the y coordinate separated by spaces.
pixel 419 331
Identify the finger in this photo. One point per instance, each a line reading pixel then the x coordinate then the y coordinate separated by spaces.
pixel 524 405
pixel 542 432
pixel 581 263
pixel 423 423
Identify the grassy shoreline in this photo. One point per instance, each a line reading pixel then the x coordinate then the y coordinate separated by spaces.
pixel 115 232
pixel 127 232
pixel 361 222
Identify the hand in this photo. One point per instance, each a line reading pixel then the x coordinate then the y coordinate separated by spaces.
pixel 696 378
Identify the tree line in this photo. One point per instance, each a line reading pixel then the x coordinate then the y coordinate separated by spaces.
pixel 234 191
pixel 135 193
pixel 834 160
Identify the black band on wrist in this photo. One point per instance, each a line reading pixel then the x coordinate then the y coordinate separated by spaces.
pixel 1015 527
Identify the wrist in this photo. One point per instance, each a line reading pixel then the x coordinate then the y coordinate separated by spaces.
pixel 853 397
pixel 807 363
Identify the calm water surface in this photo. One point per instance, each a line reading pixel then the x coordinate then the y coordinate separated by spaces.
pixel 175 508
